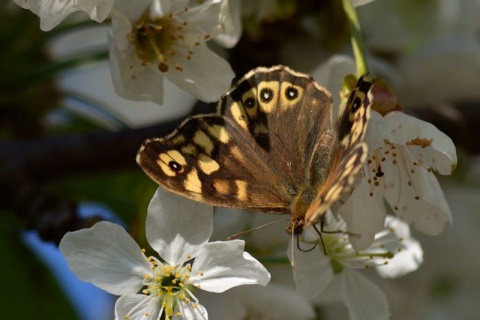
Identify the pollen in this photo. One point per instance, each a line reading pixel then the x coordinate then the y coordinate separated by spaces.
pixel 164 42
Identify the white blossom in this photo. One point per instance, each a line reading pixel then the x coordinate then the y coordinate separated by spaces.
pixel 334 259
pixel 153 39
pixel 403 153
pixel 178 229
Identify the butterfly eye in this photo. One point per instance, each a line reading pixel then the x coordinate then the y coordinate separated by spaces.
pixel 175 166
pixel 291 93
pixel 249 102
pixel 266 95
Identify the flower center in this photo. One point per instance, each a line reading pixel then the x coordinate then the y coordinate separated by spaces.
pixel 162 41
pixel 170 285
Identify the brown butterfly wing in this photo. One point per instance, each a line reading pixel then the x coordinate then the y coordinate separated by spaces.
pixel 253 152
pixel 349 153
pixel 208 160
pixel 287 119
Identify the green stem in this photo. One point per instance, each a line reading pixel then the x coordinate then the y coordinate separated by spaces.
pixel 356 37
pixel 273 260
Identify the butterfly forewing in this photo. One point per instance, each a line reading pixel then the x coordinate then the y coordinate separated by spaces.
pixel 288 118
pixel 349 153
pixel 255 151
pixel 200 161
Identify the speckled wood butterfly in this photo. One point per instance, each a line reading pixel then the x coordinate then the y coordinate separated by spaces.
pixel 272 146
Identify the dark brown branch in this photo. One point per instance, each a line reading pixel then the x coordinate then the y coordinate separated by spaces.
pixel 58 156
pixel 26 165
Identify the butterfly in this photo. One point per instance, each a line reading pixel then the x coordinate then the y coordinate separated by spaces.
pixel 271 146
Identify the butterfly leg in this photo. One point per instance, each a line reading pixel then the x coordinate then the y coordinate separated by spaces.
pixel 320 235
pixel 322 230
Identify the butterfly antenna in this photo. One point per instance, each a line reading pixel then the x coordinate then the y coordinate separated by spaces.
pixel 241 233
pixel 292 262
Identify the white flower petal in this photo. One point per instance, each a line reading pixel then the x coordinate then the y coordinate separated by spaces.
pixel 178 5
pixel 107 256
pixel 377 132
pixel 205 17
pixel 52 12
pixel 132 80
pixel 312 271
pixel 220 266
pixel 121 27
pixel 177 227
pixel 364 300
pixel 364 213
pixel 275 301
pixel 193 311
pixel 184 59
pixel 405 261
pixel 231 23
pixel 160 8
pixel 438 152
pixel 224 306
pixel 137 306
pixel 193 77
pixel 416 196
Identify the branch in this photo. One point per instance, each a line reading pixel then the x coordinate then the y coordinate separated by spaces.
pixel 26 165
